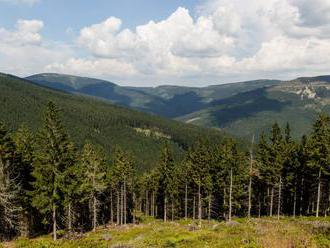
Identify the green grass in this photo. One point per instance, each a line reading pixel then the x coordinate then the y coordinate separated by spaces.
pixel 265 232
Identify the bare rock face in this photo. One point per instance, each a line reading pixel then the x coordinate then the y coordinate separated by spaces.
pixel 307 92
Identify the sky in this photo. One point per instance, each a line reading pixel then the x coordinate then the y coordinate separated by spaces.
pixel 178 42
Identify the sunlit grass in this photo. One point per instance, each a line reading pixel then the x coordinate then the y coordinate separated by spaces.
pixel 265 232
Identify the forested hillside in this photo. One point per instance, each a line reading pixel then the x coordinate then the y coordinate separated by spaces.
pixel 168 101
pixel 49 183
pixel 242 109
pixel 98 121
pixel 298 102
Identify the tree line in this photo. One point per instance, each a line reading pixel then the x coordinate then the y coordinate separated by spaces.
pixel 48 184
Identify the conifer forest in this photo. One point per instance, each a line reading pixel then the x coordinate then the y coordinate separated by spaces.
pixel 48 184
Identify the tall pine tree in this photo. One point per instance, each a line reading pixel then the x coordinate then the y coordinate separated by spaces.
pixel 53 156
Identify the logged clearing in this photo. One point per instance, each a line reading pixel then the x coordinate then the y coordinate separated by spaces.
pixel 265 232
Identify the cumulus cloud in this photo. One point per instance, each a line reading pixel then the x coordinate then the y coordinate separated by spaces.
pixel 179 35
pixel 94 67
pixel 27 32
pixel 225 40
pixel 24 51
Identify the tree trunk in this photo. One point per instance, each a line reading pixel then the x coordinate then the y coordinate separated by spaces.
pixel 250 178
pixel 125 203
pixel 230 194
pixel 250 194
pixel 301 197
pixel 186 202
pixel 318 194
pixel 122 205
pixel 209 208
pixel 224 201
pixel 266 199
pixel 259 211
pixel 54 223
pixel 24 224
pixel 134 206
pixel 294 201
pixel 199 206
pixel 118 207
pixel 156 210
pixel 94 213
pixel 140 204
pixel 271 202
pixel 165 209
pixel 111 208
pixel 308 207
pixel 279 198
pixel 194 207
pixel 152 204
pixel 172 212
pixel 147 204
pixel 69 218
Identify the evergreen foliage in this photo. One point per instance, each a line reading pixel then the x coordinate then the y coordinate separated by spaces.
pixel 46 182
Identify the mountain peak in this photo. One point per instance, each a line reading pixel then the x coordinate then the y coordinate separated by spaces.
pixel 65 81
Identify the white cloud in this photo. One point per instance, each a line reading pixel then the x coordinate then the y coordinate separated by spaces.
pixel 27 32
pixel 24 51
pixel 227 40
pixel 283 53
pixel 177 35
pixel 93 67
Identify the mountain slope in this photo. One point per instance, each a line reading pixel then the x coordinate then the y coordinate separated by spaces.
pixel 85 118
pixel 242 109
pixel 168 101
pixel 297 102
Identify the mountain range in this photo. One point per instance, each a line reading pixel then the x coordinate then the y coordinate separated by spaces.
pixel 242 109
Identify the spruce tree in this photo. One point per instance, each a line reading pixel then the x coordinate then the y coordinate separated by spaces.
pixel 93 171
pixel 233 169
pixel 123 174
pixel 265 175
pixel 166 179
pixel 271 157
pixel 319 152
pixel 72 194
pixel 52 158
pixel 199 160
pixel 291 172
pixel 24 142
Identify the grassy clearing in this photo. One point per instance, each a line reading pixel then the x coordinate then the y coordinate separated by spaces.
pixel 265 232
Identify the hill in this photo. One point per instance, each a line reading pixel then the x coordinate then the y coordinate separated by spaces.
pixel 167 101
pixel 297 101
pixel 98 121
pixel 242 109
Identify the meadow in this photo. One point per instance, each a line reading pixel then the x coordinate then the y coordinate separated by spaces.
pixel 241 232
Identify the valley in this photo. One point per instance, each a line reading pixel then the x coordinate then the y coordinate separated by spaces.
pixel 242 109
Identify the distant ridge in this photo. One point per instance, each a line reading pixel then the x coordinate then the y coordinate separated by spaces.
pixel 242 109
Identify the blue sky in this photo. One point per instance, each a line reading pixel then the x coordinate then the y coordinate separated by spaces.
pixel 61 15
pixel 181 42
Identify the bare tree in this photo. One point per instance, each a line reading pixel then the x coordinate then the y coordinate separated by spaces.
pixel 9 207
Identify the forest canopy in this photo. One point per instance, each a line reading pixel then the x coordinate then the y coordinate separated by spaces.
pixel 48 182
